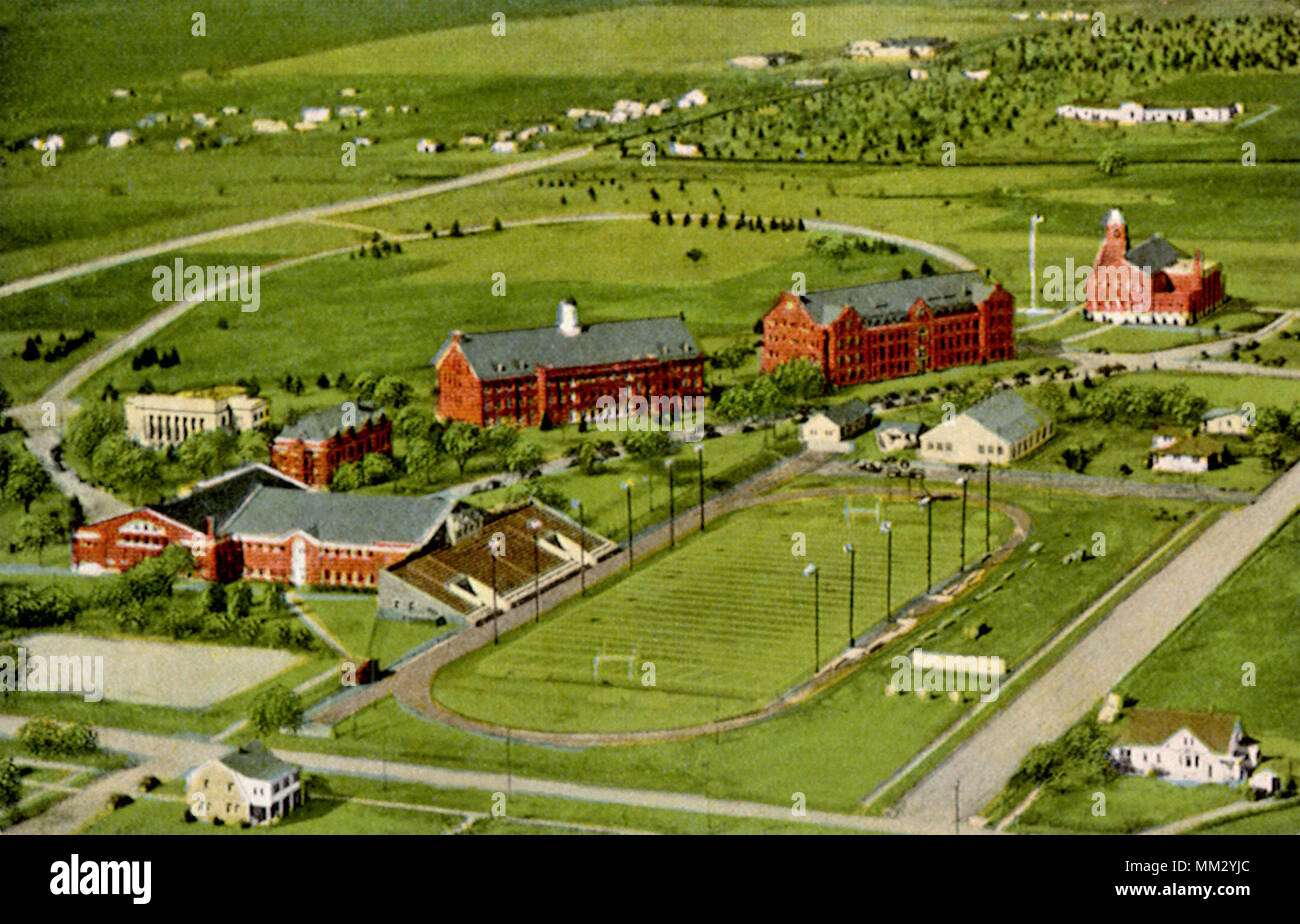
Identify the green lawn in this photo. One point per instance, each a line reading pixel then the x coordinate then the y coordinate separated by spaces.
pixel 352 621
pixel 1132 804
pixel 1277 821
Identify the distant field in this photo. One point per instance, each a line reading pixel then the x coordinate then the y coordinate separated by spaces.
pixel 726 620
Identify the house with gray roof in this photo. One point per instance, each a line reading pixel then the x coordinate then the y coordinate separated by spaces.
pixel 831 429
pixel 997 431
pixel 896 435
pixel 248 786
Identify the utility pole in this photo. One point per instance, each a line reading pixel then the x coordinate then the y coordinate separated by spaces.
pixel 888 529
pixel 988 494
pixel 535 526
pixel 929 536
pixel 962 565
pixel 1034 222
pixel 672 508
pixel 576 504
pixel 699 451
pixel 852 552
pixel 627 488
pixel 810 570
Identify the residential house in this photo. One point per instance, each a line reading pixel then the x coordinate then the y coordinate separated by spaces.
pixel 897 435
pixel 1226 421
pixel 831 429
pixel 250 785
pixel 1000 429
pixel 1184 453
pixel 1184 747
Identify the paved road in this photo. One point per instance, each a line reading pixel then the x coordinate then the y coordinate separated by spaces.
pixel 287 218
pixel 1074 684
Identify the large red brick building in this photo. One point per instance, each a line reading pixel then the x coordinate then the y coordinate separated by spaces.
pixel 884 330
pixel 314 446
pixel 258 524
pixel 557 374
pixel 1151 283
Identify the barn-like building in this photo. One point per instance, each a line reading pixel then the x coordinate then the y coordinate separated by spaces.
pixel 885 330
pixel 556 375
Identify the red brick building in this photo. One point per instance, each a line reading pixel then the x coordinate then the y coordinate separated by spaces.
pixel 557 374
pixel 310 449
pixel 257 524
pixel 1151 283
pixel 884 330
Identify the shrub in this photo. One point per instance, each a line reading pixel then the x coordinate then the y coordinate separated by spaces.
pixel 118 800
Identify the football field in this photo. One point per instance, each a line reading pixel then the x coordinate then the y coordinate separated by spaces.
pixel 720 626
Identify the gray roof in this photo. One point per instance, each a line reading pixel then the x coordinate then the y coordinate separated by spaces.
pixel 1155 252
pixel 219 497
pixel 913 427
pixel 354 519
pixel 321 425
pixel 510 353
pixel 1216 412
pixel 254 761
pixel 849 410
pixel 880 303
pixel 1008 415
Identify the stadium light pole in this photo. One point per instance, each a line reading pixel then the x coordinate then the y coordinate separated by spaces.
pixel 887 528
pixel 492 554
pixel 575 504
pixel 853 554
pixel 535 526
pixel 988 491
pixel 672 508
pixel 929 536
pixel 627 490
pixel 962 481
pixel 810 570
pixel 699 452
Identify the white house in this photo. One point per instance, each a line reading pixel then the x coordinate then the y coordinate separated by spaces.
pixel 1181 453
pixel 1000 429
pixel 348 91
pixel 917 73
pixel 121 138
pixel 749 62
pixel 504 147
pixel 351 112
pixel 230 110
pixel 1226 421
pixel 249 785
pixel 831 429
pixel 427 146
pixel 470 141
pixel 305 126
pixel 976 75
pixel 681 149
pixel 1191 747
pixel 315 113
pixel 691 98
pixel 184 144
pixel 896 435
pixel 269 126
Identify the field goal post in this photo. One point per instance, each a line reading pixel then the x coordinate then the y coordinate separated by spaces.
pixel 849 511
pixel 601 657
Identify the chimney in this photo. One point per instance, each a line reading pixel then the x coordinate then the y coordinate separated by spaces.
pixel 1196 265
pixel 566 318
pixel 210 530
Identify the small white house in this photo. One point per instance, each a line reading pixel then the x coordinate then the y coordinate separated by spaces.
pixel 692 98
pixel 1186 454
pixel 230 110
pixel 471 141
pixel 976 75
pixel 121 138
pixel 247 786
pixel 184 144
pixel 831 429
pixel 305 126
pixel 1225 421
pixel 749 62
pixel 897 435
pixel 348 91
pixel 917 73
pixel 269 126
pixel 681 149
pixel 427 146
pixel 504 147
pixel 315 113
pixel 1186 747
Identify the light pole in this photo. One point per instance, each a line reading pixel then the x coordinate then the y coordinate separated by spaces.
pixel 699 451
pixel 575 504
pixel 962 481
pixel 627 490
pixel 929 535
pixel 988 491
pixel 672 508
pixel 535 527
pixel 650 493
pixel 810 570
pixel 1034 222
pixel 853 554
pixel 887 528
pixel 494 551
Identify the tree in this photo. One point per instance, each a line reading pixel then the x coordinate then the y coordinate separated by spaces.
pixel 416 422
pixel 589 458
pixel 204 453
pixel 1112 162
pixel 253 446
pixel 393 392
pixel 35 531
pixel 462 441
pixel 347 477
pixel 10 783
pixel 524 458
pixel 647 445
pixel 276 708
pixel 239 602
pixel 498 441
pixel 376 468
pixel 423 459
pixel 25 479
pixel 214 598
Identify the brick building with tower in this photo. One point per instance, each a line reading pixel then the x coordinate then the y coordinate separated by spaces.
pixel 1151 283
pixel 556 375
pixel 885 330
pixel 314 446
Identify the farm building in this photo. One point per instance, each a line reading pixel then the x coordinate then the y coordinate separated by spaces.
pixel 427 146
pixel 490 568
pixel 1225 421
pixel 1191 747
pixel 269 126
pixel 1000 429
pixel 250 785
pixel 258 524
pixel 160 421
pixel 559 374
pixel 832 429
pixel 1137 114
pixel 896 49
pixel 884 330
pixel 121 138
pixel 312 448
pixel 1151 283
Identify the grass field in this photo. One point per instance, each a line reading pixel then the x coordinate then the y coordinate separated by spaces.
pixel 352 621
pixel 1278 821
pixel 726 621
pixel 1132 804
